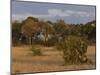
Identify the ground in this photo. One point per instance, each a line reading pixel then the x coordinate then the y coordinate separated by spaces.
pixel 51 59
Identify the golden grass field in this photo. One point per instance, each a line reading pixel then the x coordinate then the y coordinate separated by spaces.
pixel 24 62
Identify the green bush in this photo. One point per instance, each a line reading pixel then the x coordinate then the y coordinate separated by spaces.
pixel 52 41
pixel 74 49
pixel 36 51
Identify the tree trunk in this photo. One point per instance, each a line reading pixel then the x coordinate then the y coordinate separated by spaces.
pixel 46 38
pixel 30 40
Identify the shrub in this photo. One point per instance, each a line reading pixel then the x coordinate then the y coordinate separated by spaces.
pixel 52 41
pixel 74 49
pixel 36 51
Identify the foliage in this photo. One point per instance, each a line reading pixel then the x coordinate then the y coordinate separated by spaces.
pixel 52 41
pixel 36 51
pixel 16 29
pixel 89 30
pixel 47 29
pixel 74 49
pixel 33 18
pixel 59 29
pixel 29 26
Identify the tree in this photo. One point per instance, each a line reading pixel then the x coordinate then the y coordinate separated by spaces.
pixel 47 29
pixel 61 29
pixel 33 18
pixel 16 28
pixel 60 26
pixel 89 30
pixel 29 26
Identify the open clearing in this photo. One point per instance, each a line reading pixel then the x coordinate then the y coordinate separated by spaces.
pixel 23 61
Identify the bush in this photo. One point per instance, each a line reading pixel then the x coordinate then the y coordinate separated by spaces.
pixel 36 51
pixel 52 41
pixel 74 49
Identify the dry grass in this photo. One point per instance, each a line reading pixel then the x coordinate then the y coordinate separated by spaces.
pixel 23 61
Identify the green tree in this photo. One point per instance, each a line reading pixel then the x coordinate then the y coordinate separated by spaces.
pixel 60 27
pixel 89 30
pixel 61 30
pixel 16 28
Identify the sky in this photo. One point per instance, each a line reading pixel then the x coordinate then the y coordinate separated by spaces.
pixel 73 14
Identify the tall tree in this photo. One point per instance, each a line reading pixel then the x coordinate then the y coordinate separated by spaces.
pixel 29 26
pixel 47 29
pixel 61 28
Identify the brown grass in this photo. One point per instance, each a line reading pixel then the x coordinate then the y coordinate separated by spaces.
pixel 23 61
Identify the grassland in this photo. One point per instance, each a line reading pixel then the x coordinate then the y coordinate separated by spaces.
pixel 51 59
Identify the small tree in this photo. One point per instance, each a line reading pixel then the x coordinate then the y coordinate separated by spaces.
pixel 74 50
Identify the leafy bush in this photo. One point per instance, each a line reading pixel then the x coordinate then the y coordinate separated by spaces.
pixel 36 51
pixel 74 49
pixel 52 41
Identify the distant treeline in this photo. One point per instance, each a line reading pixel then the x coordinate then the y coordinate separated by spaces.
pixel 35 31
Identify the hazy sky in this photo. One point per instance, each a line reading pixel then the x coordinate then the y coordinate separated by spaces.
pixel 50 11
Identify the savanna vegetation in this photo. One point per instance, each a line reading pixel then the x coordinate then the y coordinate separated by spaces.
pixel 29 30
pixel 72 40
